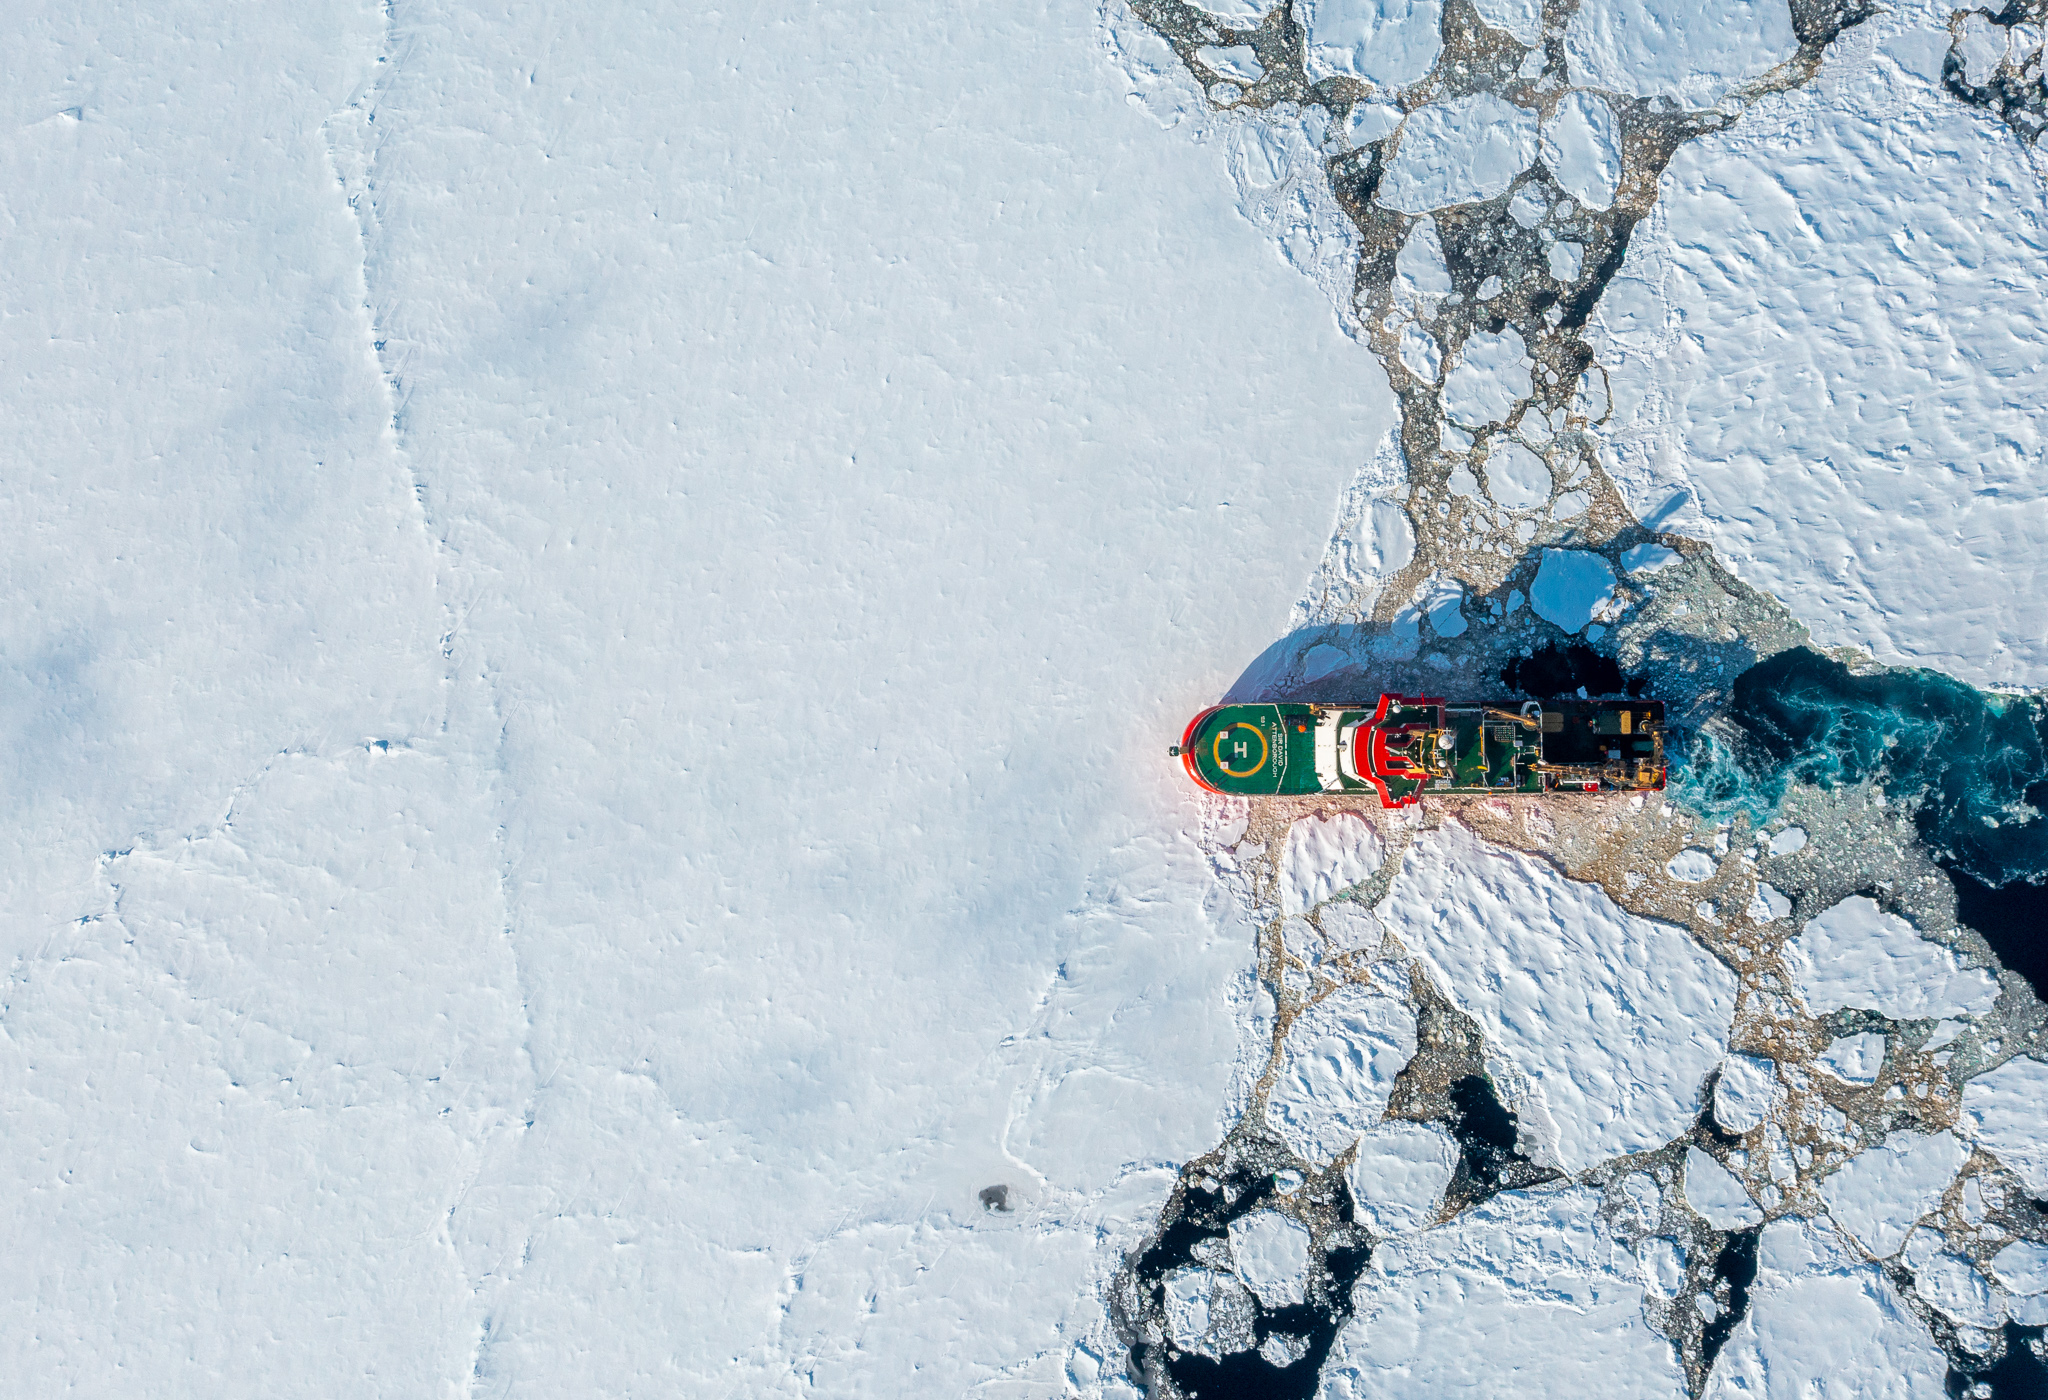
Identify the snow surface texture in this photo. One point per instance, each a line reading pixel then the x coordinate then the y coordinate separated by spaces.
pixel 1469 148
pixel 1325 856
pixel 1694 53
pixel 1821 1323
pixel 1853 413
pixel 1856 954
pixel 1337 1071
pixel 2006 1109
pixel 1615 1020
pixel 1881 1192
pixel 1526 1284
pixel 579 763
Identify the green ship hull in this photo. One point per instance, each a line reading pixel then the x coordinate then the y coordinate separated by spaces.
pixel 1403 747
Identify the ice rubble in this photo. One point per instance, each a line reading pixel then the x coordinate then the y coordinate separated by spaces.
pixel 1615 1020
pixel 1857 954
pixel 1525 1285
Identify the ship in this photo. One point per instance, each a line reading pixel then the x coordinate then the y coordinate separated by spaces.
pixel 1408 746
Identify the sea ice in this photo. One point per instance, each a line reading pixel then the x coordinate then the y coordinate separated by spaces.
pixel 1691 865
pixel 1420 353
pixel 2022 1267
pixel 1572 588
pixel 1389 43
pixel 1615 1019
pixel 1856 954
pixel 1716 1193
pixel 1881 1191
pixel 1369 122
pixel 1326 854
pixel 1791 839
pixel 1854 1059
pixel 1458 151
pixel 1420 277
pixel 1822 1323
pixel 1744 1094
pixel 1950 1284
pixel 1648 558
pixel 1239 61
pixel 1243 14
pixel 2006 1109
pixel 1766 905
pixel 1691 52
pixel 1582 147
pixel 1490 376
pixel 1338 1065
pixel 1516 476
pixel 1521 18
pixel 1271 1251
pixel 1528 1284
pixel 1399 1175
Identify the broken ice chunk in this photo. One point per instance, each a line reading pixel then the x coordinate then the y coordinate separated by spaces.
pixel 1792 838
pixel 1565 260
pixel 1419 352
pixel 1572 588
pixel 1767 905
pixel 1490 377
pixel 2006 1108
pixel 1325 855
pixel 1855 1059
pixel 1271 1252
pixel 1399 1175
pixel 1582 147
pixel 1881 1192
pixel 1715 1193
pixel 1458 151
pixel 1690 866
pixel 1663 1261
pixel 1948 1283
pixel 1338 1065
pixel 1743 1096
pixel 1856 954
pixel 1239 61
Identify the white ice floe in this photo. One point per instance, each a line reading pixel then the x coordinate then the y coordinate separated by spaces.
pixel 1691 865
pixel 1648 558
pixel 1766 905
pixel 1856 954
pixel 1515 476
pixel 2006 1110
pixel 1821 1323
pixel 1241 13
pixel 1325 855
pixel 1662 1260
pixel 1566 258
pixel 1270 1250
pixel 2022 1267
pixel 1338 1065
pixel 1881 1191
pixel 1582 147
pixel 1572 588
pixel 1388 43
pixel 1792 838
pixel 1646 1198
pixel 1491 375
pixel 1239 61
pixel 1458 151
pixel 1209 1311
pixel 1420 277
pixel 1717 1194
pixel 1854 1059
pixel 1745 1093
pixel 1691 52
pixel 1521 18
pixel 1526 1285
pixel 1399 1175
pixel 1856 399
pixel 1420 352
pixel 1949 1283
pixel 1615 1020
pixel 1369 122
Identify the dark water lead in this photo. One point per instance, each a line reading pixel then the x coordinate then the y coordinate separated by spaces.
pixel 1734 1272
pixel 2020 1374
pixel 1559 670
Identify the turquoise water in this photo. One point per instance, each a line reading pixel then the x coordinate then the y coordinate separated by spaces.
pixel 1973 766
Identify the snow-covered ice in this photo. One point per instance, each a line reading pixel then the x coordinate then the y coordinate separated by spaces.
pixel 1716 1193
pixel 2022 1267
pixel 1745 1092
pixel 1324 856
pixel 1823 1324
pixel 1338 1066
pixel 1881 1191
pixel 1691 865
pixel 1516 477
pixel 1458 151
pixel 1855 1059
pixel 1582 147
pixel 1239 61
pixel 1389 43
pixel 1949 1284
pixel 1271 1252
pixel 2005 1110
pixel 1525 1285
pixel 1616 1020
pixel 1858 954
pixel 1691 52
pixel 1490 375
pixel 1573 587
pixel 1399 1175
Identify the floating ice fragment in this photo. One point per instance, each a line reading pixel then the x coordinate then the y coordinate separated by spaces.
pixel 1388 43
pixel 1271 1251
pixel 1856 954
pixel 1572 588
pixel 1420 276
pixel 1882 1191
pixel 2006 1108
pixel 1854 1059
pixel 1792 838
pixel 1565 260
pixel 1399 1175
pixel 1517 477
pixel 1490 288
pixel 1390 538
pixel 1527 207
pixel 1981 46
pixel 1322 659
pixel 1648 558
pixel 1691 865
pixel 1570 505
pixel 1663 1261
pixel 2022 1267
pixel 1747 1088
pixel 1239 61
pixel 1441 599
pixel 1458 151
pixel 1767 905
pixel 1242 14
pixel 1187 1304
pixel 1691 52
pixel 1582 147
pixel 1521 18
pixel 1337 1068
pixel 1370 122
pixel 1951 1285
pixel 1713 1191
pixel 1646 1196
pixel 1490 377
pixel 1420 353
